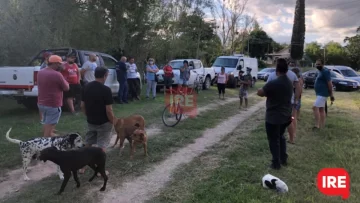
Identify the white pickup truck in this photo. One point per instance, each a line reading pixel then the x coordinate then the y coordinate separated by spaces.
pixel 20 83
pixel 196 67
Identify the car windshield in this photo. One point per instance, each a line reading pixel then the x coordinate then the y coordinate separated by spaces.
pixel 176 64
pixel 349 73
pixel 336 75
pixel 267 70
pixel 226 62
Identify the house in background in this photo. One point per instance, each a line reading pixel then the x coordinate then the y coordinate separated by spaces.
pixel 285 53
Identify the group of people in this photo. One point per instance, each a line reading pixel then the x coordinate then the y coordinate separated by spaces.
pixel 58 79
pixel 283 91
pixel 244 81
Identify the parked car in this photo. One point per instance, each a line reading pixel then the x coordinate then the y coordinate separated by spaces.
pixel 345 71
pixel 21 82
pixel 233 64
pixel 339 82
pixel 264 73
pixel 196 67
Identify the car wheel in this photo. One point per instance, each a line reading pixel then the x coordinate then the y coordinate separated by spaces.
pixel 207 83
pixel 305 86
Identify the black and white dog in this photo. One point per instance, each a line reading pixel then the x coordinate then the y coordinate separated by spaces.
pixel 271 182
pixel 31 149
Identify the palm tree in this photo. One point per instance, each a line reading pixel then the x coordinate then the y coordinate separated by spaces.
pixel 298 35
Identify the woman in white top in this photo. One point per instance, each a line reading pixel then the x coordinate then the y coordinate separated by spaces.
pixel 221 82
pixel 132 79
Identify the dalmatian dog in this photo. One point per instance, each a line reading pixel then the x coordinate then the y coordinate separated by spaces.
pixel 271 182
pixel 31 149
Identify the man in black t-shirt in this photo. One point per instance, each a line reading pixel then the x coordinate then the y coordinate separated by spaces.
pixel 96 104
pixel 278 112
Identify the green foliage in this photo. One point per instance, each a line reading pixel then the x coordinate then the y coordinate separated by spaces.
pixel 313 51
pixel 261 64
pixel 298 35
pixel 259 43
pixel 353 50
pixel 140 28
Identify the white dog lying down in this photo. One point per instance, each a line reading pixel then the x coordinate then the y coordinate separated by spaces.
pixel 271 182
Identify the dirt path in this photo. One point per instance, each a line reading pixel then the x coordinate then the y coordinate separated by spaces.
pixel 147 186
pixel 13 181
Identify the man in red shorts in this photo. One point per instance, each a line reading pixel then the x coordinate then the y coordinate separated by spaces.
pixel 71 74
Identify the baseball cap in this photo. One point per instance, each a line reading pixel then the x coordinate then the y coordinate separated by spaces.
pixel 55 59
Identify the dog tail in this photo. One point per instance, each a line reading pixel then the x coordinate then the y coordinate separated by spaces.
pixel 10 139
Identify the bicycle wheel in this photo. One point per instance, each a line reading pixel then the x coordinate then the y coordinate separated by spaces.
pixel 171 117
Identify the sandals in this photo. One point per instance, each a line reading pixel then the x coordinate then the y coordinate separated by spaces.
pixel 290 142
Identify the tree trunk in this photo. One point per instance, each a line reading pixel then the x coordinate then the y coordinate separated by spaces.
pixel 298 35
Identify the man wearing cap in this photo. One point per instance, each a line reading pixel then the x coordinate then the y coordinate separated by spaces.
pixel 72 76
pixel 245 81
pixel 88 69
pixel 46 56
pixel 51 85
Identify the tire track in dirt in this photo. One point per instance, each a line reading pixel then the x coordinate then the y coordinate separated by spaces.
pixel 13 181
pixel 147 186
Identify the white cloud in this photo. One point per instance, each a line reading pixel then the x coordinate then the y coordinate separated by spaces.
pixel 326 20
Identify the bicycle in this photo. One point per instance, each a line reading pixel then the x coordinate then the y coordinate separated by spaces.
pixel 175 110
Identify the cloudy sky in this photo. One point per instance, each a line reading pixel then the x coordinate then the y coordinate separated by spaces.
pixel 326 20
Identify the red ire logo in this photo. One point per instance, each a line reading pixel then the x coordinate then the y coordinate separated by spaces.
pixel 334 182
pixel 185 97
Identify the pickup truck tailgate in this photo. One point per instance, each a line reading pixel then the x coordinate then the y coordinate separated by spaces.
pixel 16 77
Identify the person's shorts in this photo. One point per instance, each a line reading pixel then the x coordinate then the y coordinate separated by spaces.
pixel 74 90
pixel 99 134
pixel 297 106
pixel 167 81
pixel 320 101
pixel 50 115
pixel 183 82
pixel 243 93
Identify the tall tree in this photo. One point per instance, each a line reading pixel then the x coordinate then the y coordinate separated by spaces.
pixel 233 22
pixel 353 49
pixel 298 34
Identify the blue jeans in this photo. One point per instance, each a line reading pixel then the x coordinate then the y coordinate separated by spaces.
pixel 123 91
pixel 151 85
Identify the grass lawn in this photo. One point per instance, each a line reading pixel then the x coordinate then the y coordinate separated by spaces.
pixel 122 168
pixel 26 125
pixel 232 171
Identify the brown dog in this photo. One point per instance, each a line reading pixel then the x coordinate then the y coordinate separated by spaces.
pixel 138 137
pixel 125 128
